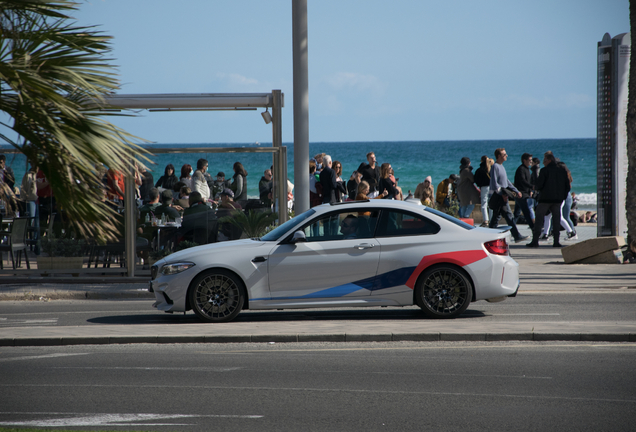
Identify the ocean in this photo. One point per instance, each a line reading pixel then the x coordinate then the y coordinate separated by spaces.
pixel 411 160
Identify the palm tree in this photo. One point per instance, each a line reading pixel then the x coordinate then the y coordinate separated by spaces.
pixel 53 78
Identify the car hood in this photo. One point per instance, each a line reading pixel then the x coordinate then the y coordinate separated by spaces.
pixel 194 254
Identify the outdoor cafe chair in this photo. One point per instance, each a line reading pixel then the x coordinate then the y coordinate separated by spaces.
pixel 16 242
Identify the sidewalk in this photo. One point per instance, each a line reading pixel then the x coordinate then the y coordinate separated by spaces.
pixel 542 271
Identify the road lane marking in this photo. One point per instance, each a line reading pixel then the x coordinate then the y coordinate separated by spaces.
pixel 328 390
pixel 41 356
pixel 113 419
pixel 150 368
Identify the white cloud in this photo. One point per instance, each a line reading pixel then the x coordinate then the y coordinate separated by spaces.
pixel 354 81
pixel 237 81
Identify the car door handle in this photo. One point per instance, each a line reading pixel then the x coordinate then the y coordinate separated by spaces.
pixel 364 246
pixel 259 259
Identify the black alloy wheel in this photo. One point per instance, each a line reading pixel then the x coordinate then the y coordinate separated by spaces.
pixel 217 296
pixel 443 291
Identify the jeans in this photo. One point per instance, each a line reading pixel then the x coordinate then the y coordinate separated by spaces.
pixel 522 207
pixel 532 203
pixel 565 211
pixel 486 213
pixel 505 211
pixel 465 211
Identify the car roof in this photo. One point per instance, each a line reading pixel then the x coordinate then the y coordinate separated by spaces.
pixel 372 203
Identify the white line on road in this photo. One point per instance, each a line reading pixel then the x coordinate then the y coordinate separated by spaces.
pixel 524 314
pixel 112 419
pixel 327 390
pixel 41 356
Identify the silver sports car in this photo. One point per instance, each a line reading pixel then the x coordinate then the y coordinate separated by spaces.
pixel 361 253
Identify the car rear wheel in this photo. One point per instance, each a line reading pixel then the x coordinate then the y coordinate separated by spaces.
pixel 443 292
pixel 217 296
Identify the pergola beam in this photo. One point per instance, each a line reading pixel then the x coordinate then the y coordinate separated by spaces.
pixel 202 101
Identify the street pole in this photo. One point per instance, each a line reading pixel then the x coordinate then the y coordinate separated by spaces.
pixel 301 105
pixel 280 169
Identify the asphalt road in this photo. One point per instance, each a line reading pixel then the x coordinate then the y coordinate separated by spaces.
pixel 401 386
pixel 572 306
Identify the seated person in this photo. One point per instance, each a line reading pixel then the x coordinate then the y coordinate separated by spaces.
pixel 150 208
pixel 349 227
pixel 144 229
pixel 199 221
pixel 227 207
pixel 184 196
pixel 227 200
pixel 195 205
pixel 166 207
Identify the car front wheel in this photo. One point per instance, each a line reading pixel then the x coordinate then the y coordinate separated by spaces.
pixel 217 296
pixel 443 291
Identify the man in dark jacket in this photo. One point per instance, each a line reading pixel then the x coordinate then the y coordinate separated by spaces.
pixel 524 185
pixel 371 174
pixel 329 186
pixel 328 181
pixel 553 186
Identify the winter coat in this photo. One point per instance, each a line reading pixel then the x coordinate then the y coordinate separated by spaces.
pixel 466 190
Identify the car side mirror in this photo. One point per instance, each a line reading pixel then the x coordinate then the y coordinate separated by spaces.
pixel 299 236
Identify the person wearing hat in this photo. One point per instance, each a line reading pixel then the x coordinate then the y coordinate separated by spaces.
pixel 446 192
pixel 227 200
pixel 166 207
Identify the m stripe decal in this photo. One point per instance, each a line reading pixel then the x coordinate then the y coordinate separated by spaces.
pixel 460 258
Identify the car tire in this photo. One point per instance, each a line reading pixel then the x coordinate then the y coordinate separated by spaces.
pixel 217 296
pixel 443 291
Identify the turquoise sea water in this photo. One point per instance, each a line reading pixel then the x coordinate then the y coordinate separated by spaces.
pixel 411 160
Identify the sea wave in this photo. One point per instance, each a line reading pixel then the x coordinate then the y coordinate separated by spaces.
pixel 586 199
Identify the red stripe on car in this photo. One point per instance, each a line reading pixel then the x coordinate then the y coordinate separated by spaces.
pixel 460 258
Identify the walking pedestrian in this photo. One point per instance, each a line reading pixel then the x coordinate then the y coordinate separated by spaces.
pixel 553 186
pixel 500 191
pixel 524 185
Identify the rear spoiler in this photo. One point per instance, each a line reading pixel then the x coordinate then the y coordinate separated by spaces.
pixel 503 229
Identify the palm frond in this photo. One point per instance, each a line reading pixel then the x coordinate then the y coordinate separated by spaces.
pixel 253 223
pixel 54 75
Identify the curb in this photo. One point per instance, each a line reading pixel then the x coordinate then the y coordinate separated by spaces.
pixel 340 337
pixel 43 295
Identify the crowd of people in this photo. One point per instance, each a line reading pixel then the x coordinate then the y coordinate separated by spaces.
pixel 542 197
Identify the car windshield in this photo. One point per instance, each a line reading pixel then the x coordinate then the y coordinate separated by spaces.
pixel 279 231
pixel 449 218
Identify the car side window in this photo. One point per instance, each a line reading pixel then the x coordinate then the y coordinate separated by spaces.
pixel 396 223
pixel 343 225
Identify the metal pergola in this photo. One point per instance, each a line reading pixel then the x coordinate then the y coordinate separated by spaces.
pixel 206 102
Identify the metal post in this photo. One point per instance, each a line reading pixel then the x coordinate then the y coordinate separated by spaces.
pixel 301 104
pixel 130 213
pixel 280 170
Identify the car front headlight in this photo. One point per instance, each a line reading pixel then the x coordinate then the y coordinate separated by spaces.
pixel 174 268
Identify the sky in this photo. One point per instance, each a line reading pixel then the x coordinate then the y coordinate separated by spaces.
pixel 404 70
